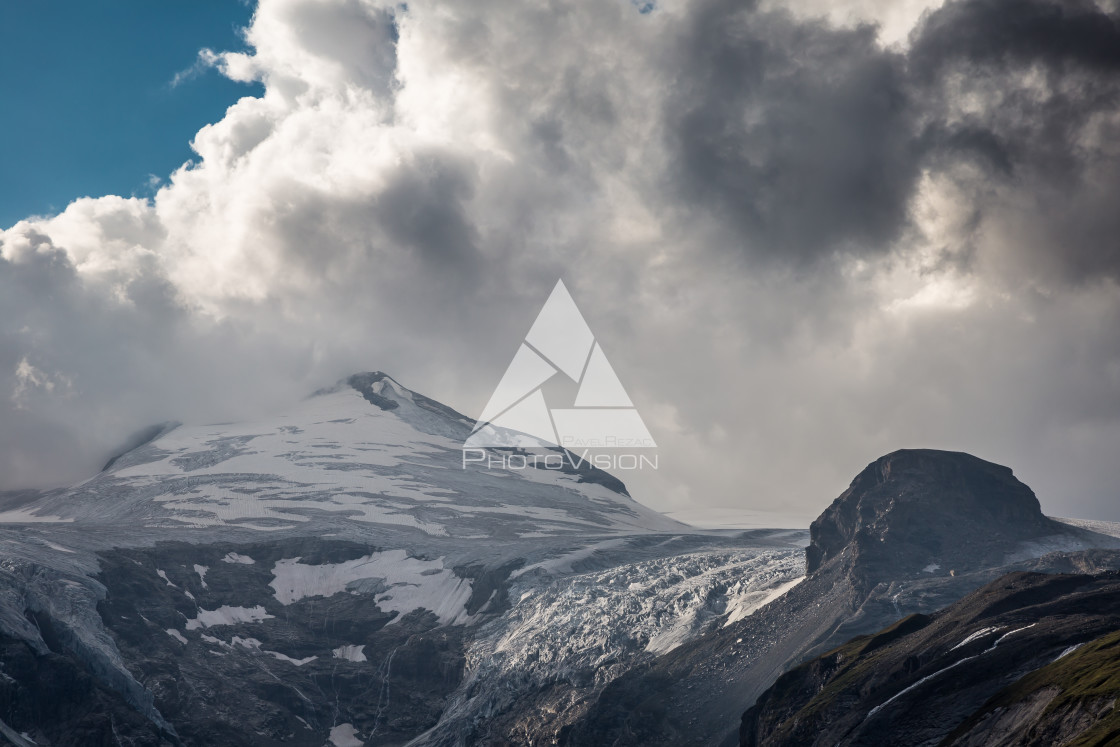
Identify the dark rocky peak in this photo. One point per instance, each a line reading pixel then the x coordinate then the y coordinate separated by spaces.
pixel 370 385
pixel 924 509
pixel 382 390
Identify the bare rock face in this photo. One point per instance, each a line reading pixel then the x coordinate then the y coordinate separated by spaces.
pixel 917 508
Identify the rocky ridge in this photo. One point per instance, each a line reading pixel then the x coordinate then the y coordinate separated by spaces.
pixel 1030 659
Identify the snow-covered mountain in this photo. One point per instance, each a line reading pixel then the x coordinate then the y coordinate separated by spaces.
pixel 365 452
pixel 332 574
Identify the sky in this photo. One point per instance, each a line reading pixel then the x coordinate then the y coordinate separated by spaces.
pixel 101 97
pixel 806 234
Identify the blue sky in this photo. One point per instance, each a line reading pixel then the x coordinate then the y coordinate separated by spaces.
pixel 88 105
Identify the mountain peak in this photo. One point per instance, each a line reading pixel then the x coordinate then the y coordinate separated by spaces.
pixel 364 455
pixel 917 507
pixel 372 386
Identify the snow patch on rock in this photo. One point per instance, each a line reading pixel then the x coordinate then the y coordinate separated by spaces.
pixel 350 653
pixel 226 615
pixel 976 636
pixel 252 644
pixel 406 583
pixel 28 516
pixel 744 602
pixel 345 735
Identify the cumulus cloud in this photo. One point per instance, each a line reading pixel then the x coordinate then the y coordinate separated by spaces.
pixel 805 237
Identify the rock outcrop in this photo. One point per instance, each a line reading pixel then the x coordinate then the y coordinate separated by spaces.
pixel 915 508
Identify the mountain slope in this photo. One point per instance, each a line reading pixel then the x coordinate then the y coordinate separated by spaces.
pixel 333 573
pixel 915 531
pixel 367 450
pixel 1029 659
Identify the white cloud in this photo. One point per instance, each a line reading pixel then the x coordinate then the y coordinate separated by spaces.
pixel 412 182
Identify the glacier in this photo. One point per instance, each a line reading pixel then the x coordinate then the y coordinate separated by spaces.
pixel 332 572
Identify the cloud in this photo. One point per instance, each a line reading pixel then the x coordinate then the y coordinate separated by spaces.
pixel 798 135
pixel 206 60
pixel 1033 87
pixel 805 237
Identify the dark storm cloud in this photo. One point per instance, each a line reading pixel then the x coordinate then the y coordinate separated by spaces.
pixel 807 140
pixel 1003 33
pixel 798 134
pixel 422 209
pixel 1049 76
